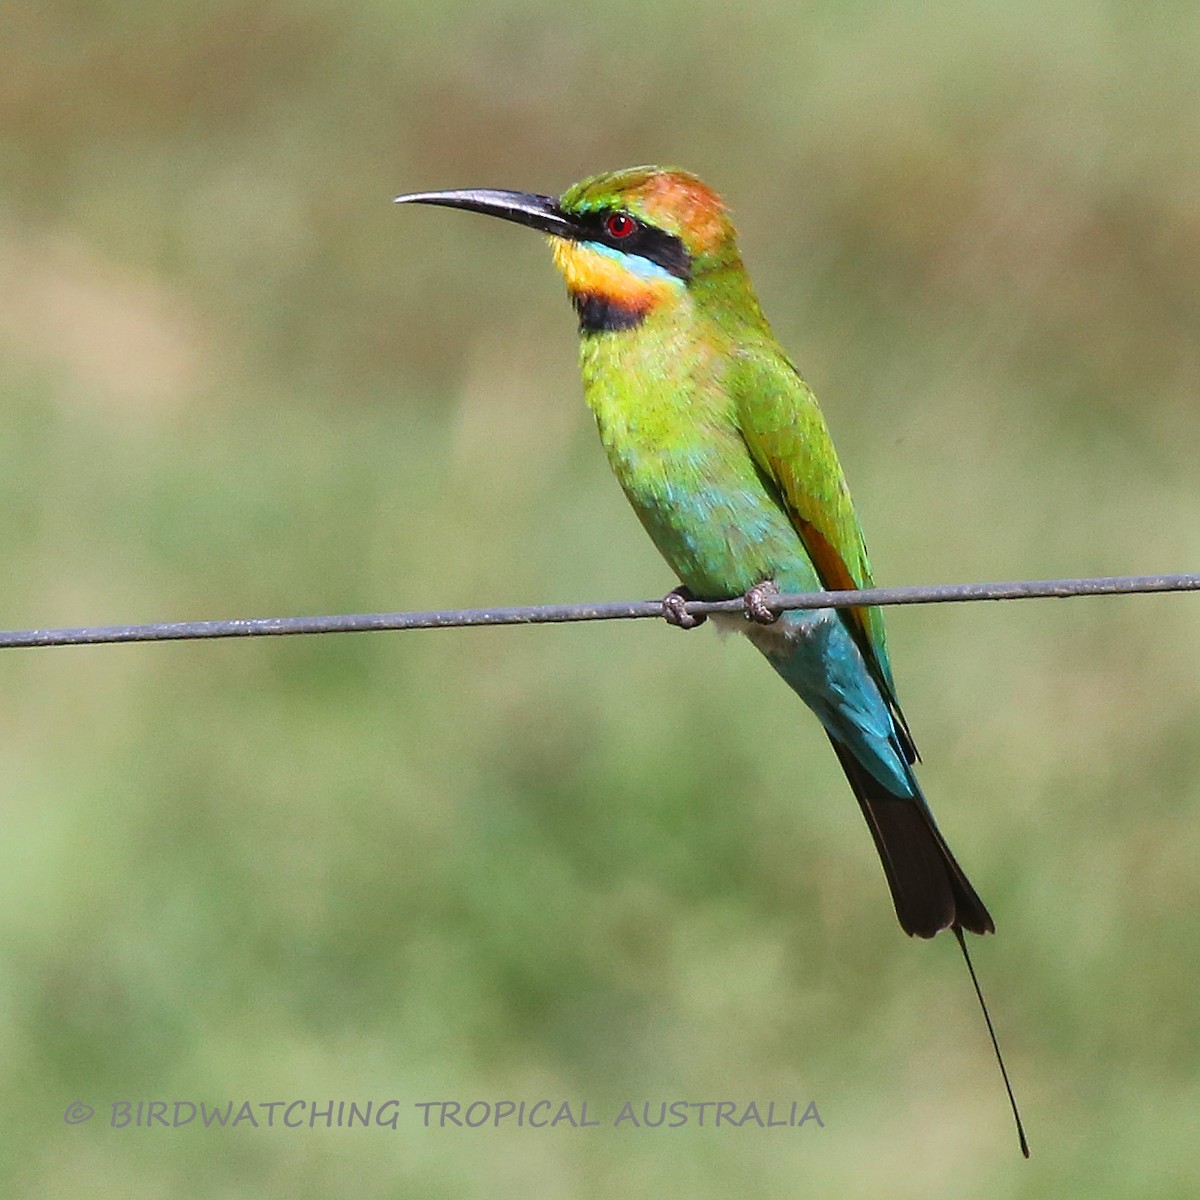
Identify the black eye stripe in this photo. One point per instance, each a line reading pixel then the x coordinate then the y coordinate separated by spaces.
pixel 660 247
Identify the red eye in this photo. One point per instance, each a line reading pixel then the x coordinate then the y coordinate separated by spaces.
pixel 619 225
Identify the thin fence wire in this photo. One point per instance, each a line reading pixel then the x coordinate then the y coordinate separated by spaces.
pixel 621 610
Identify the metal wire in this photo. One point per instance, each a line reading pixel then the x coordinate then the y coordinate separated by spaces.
pixel 621 610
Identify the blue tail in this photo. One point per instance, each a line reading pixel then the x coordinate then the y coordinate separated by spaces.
pixel 815 654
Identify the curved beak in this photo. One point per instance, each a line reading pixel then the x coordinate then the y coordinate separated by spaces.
pixel 525 208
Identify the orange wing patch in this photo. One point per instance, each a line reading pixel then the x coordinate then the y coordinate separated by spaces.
pixel 835 576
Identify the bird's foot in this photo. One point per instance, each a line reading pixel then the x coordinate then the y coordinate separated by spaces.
pixel 675 612
pixel 755 601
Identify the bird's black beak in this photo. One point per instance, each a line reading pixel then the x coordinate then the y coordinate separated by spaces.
pixel 525 208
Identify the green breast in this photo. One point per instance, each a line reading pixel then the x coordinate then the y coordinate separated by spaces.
pixel 670 431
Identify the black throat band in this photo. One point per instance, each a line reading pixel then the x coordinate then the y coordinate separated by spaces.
pixel 597 314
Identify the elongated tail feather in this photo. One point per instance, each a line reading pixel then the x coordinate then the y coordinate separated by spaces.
pixel 928 886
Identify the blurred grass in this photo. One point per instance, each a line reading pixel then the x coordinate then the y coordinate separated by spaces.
pixel 591 863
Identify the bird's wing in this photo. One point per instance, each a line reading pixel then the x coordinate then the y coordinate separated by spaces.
pixel 786 434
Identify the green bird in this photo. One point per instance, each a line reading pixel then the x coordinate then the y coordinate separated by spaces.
pixel 722 451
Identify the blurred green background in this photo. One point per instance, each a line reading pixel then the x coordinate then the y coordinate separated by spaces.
pixel 606 862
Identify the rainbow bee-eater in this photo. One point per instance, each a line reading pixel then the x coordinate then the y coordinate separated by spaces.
pixel 725 456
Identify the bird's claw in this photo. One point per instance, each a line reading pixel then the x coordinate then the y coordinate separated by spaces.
pixel 755 601
pixel 674 609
